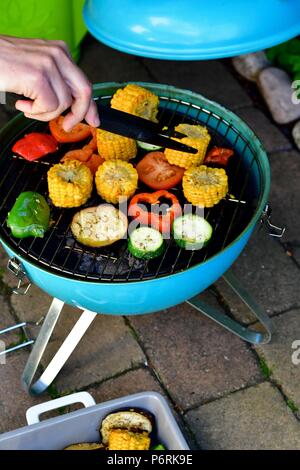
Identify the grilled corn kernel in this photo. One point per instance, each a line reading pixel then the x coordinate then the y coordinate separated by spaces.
pixel 136 100
pixel 115 147
pixel 204 186
pixel 197 137
pixel 121 439
pixel 116 180
pixel 70 184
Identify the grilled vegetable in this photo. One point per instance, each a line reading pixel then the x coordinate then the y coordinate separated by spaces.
pixel 158 447
pixel 86 446
pixel 116 180
pixel 79 132
pixel 35 145
pixel 160 216
pixel 146 146
pixel 99 226
pixel 121 439
pixel 146 243
pixel 130 420
pixel 156 172
pixel 70 184
pixel 191 231
pixel 29 216
pixel 204 186
pixel 115 147
pixel 136 100
pixel 219 156
pixel 197 137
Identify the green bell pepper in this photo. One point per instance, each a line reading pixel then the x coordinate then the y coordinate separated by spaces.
pixel 30 215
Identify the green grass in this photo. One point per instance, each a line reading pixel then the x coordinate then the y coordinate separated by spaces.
pixel 292 406
pixel 266 371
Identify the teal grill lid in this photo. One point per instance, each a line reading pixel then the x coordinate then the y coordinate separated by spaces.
pixel 192 29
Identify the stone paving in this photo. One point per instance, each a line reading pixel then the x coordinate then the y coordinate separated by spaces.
pixel 225 394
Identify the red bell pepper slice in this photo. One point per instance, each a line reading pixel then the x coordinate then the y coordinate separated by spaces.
pixel 219 156
pixel 157 218
pixel 35 145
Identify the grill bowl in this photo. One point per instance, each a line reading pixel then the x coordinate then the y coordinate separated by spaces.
pixel 178 276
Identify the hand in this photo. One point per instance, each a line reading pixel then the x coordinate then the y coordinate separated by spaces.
pixel 44 72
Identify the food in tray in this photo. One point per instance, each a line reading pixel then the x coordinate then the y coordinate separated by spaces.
pixel 146 243
pixel 191 231
pixel 219 156
pixel 115 147
pixel 99 226
pixel 134 99
pixel 79 132
pixel 29 216
pixel 161 214
pixel 86 446
pixel 197 137
pixel 86 155
pixel 35 145
pixel 116 180
pixel 126 430
pixel 204 186
pixel 156 172
pixel 70 184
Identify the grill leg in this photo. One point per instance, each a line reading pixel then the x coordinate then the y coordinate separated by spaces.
pixel 252 336
pixel 62 354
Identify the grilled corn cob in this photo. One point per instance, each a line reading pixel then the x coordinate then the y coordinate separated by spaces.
pixel 121 439
pixel 116 180
pixel 204 186
pixel 197 137
pixel 115 147
pixel 136 100
pixel 70 184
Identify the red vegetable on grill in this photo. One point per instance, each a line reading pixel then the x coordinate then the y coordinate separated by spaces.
pixel 35 145
pixel 219 156
pixel 156 218
pixel 156 172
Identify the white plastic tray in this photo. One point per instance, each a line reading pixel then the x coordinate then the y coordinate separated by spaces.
pixel 83 425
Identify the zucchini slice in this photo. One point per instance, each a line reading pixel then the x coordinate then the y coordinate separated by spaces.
pixel 191 231
pixel 146 146
pixel 146 243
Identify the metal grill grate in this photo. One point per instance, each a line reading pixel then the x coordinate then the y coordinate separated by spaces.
pixel 59 253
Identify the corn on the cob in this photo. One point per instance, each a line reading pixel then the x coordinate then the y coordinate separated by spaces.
pixel 116 180
pixel 121 439
pixel 197 137
pixel 115 147
pixel 204 186
pixel 70 184
pixel 136 100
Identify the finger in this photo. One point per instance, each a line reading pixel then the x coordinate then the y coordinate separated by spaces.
pixel 43 100
pixel 92 116
pixel 79 108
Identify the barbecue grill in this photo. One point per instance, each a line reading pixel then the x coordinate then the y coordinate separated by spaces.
pixel 109 280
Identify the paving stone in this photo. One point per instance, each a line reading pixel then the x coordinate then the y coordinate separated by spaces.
pixel 278 354
pixel 276 88
pixel 196 359
pixel 103 64
pixel 249 65
pixel 253 419
pixel 296 134
pixel 6 320
pixel 271 137
pixel 267 273
pixel 13 400
pixel 209 78
pixel 108 348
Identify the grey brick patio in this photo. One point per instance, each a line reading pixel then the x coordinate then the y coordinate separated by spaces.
pixel 225 394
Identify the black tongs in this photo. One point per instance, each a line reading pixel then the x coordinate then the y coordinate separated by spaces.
pixel 138 128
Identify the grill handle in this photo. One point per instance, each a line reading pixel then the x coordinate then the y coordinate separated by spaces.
pixel 273 230
pixel 250 335
pixel 15 267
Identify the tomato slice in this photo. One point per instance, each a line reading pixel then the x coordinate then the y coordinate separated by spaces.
pixel 219 155
pixel 79 132
pixel 35 145
pixel 156 172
